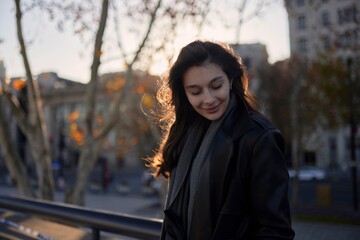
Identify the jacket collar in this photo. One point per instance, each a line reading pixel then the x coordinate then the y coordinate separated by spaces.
pixel 238 121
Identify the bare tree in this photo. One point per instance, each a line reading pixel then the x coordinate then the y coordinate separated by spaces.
pixel 240 12
pixel 12 159
pixel 149 43
pixel 92 144
pixel 152 10
pixel 31 123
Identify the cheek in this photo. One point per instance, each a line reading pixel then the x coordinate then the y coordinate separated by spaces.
pixel 225 93
pixel 192 100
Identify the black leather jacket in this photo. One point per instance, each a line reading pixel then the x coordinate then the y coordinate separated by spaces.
pixel 248 183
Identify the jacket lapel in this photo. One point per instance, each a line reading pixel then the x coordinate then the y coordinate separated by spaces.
pixel 238 121
pixel 234 126
pixel 179 174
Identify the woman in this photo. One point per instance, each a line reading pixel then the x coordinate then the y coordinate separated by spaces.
pixel 224 160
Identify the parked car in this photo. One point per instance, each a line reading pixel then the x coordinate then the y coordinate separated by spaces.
pixel 309 173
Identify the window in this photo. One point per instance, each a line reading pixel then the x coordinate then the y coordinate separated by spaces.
pixel 303 45
pixel 301 22
pixel 355 39
pixel 300 3
pixel 347 15
pixel 326 43
pixel 325 19
pixel 346 40
pixel 349 39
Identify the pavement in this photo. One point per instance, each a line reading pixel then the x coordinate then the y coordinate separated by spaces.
pixel 145 206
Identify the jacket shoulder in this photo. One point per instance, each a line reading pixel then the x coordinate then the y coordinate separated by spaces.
pixel 262 128
pixel 260 121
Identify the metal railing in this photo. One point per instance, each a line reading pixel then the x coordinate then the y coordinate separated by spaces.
pixel 97 220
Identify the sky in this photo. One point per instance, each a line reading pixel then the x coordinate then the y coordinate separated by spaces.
pixel 70 57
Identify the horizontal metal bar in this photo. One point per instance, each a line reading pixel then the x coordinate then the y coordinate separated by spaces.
pixel 123 224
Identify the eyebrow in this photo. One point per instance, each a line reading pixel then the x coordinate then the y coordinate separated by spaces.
pixel 211 81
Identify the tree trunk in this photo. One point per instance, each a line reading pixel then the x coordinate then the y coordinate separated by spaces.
pixel 296 142
pixel 13 161
pixel 92 145
pixel 87 161
pixel 90 148
pixel 36 131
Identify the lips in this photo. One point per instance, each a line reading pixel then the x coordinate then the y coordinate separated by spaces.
pixel 212 109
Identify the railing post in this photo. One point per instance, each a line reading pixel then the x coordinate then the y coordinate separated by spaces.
pixel 95 234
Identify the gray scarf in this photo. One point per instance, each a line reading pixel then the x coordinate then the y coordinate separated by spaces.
pixel 200 167
pixel 201 149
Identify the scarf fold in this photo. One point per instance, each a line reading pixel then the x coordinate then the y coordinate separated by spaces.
pixel 198 172
pixel 193 167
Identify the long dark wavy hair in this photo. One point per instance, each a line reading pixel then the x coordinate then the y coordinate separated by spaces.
pixel 177 114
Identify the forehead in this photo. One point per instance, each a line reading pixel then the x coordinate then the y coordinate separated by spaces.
pixel 198 75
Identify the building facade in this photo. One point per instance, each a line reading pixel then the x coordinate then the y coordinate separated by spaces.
pixel 320 26
pixel 63 107
pixel 255 57
pixel 329 28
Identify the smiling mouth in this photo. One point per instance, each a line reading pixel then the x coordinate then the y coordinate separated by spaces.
pixel 213 109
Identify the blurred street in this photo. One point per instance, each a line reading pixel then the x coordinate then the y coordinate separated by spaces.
pixel 137 201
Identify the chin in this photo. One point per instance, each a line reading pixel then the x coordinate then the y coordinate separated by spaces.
pixel 213 117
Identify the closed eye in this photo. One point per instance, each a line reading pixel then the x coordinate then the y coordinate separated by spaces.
pixel 193 90
pixel 195 93
pixel 217 86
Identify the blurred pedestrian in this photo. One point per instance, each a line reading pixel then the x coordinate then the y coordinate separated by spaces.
pixel 105 174
pixel 224 160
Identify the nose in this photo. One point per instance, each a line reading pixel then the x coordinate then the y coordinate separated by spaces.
pixel 208 97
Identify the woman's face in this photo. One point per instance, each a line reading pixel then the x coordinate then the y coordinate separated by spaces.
pixel 208 90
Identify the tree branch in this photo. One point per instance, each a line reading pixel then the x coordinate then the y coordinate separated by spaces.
pixel 91 89
pixel 32 87
pixel 117 32
pixel 149 28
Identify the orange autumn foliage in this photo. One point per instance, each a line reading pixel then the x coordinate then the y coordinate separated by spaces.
pixel 115 85
pixel 76 134
pixel 18 84
pixel 73 116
